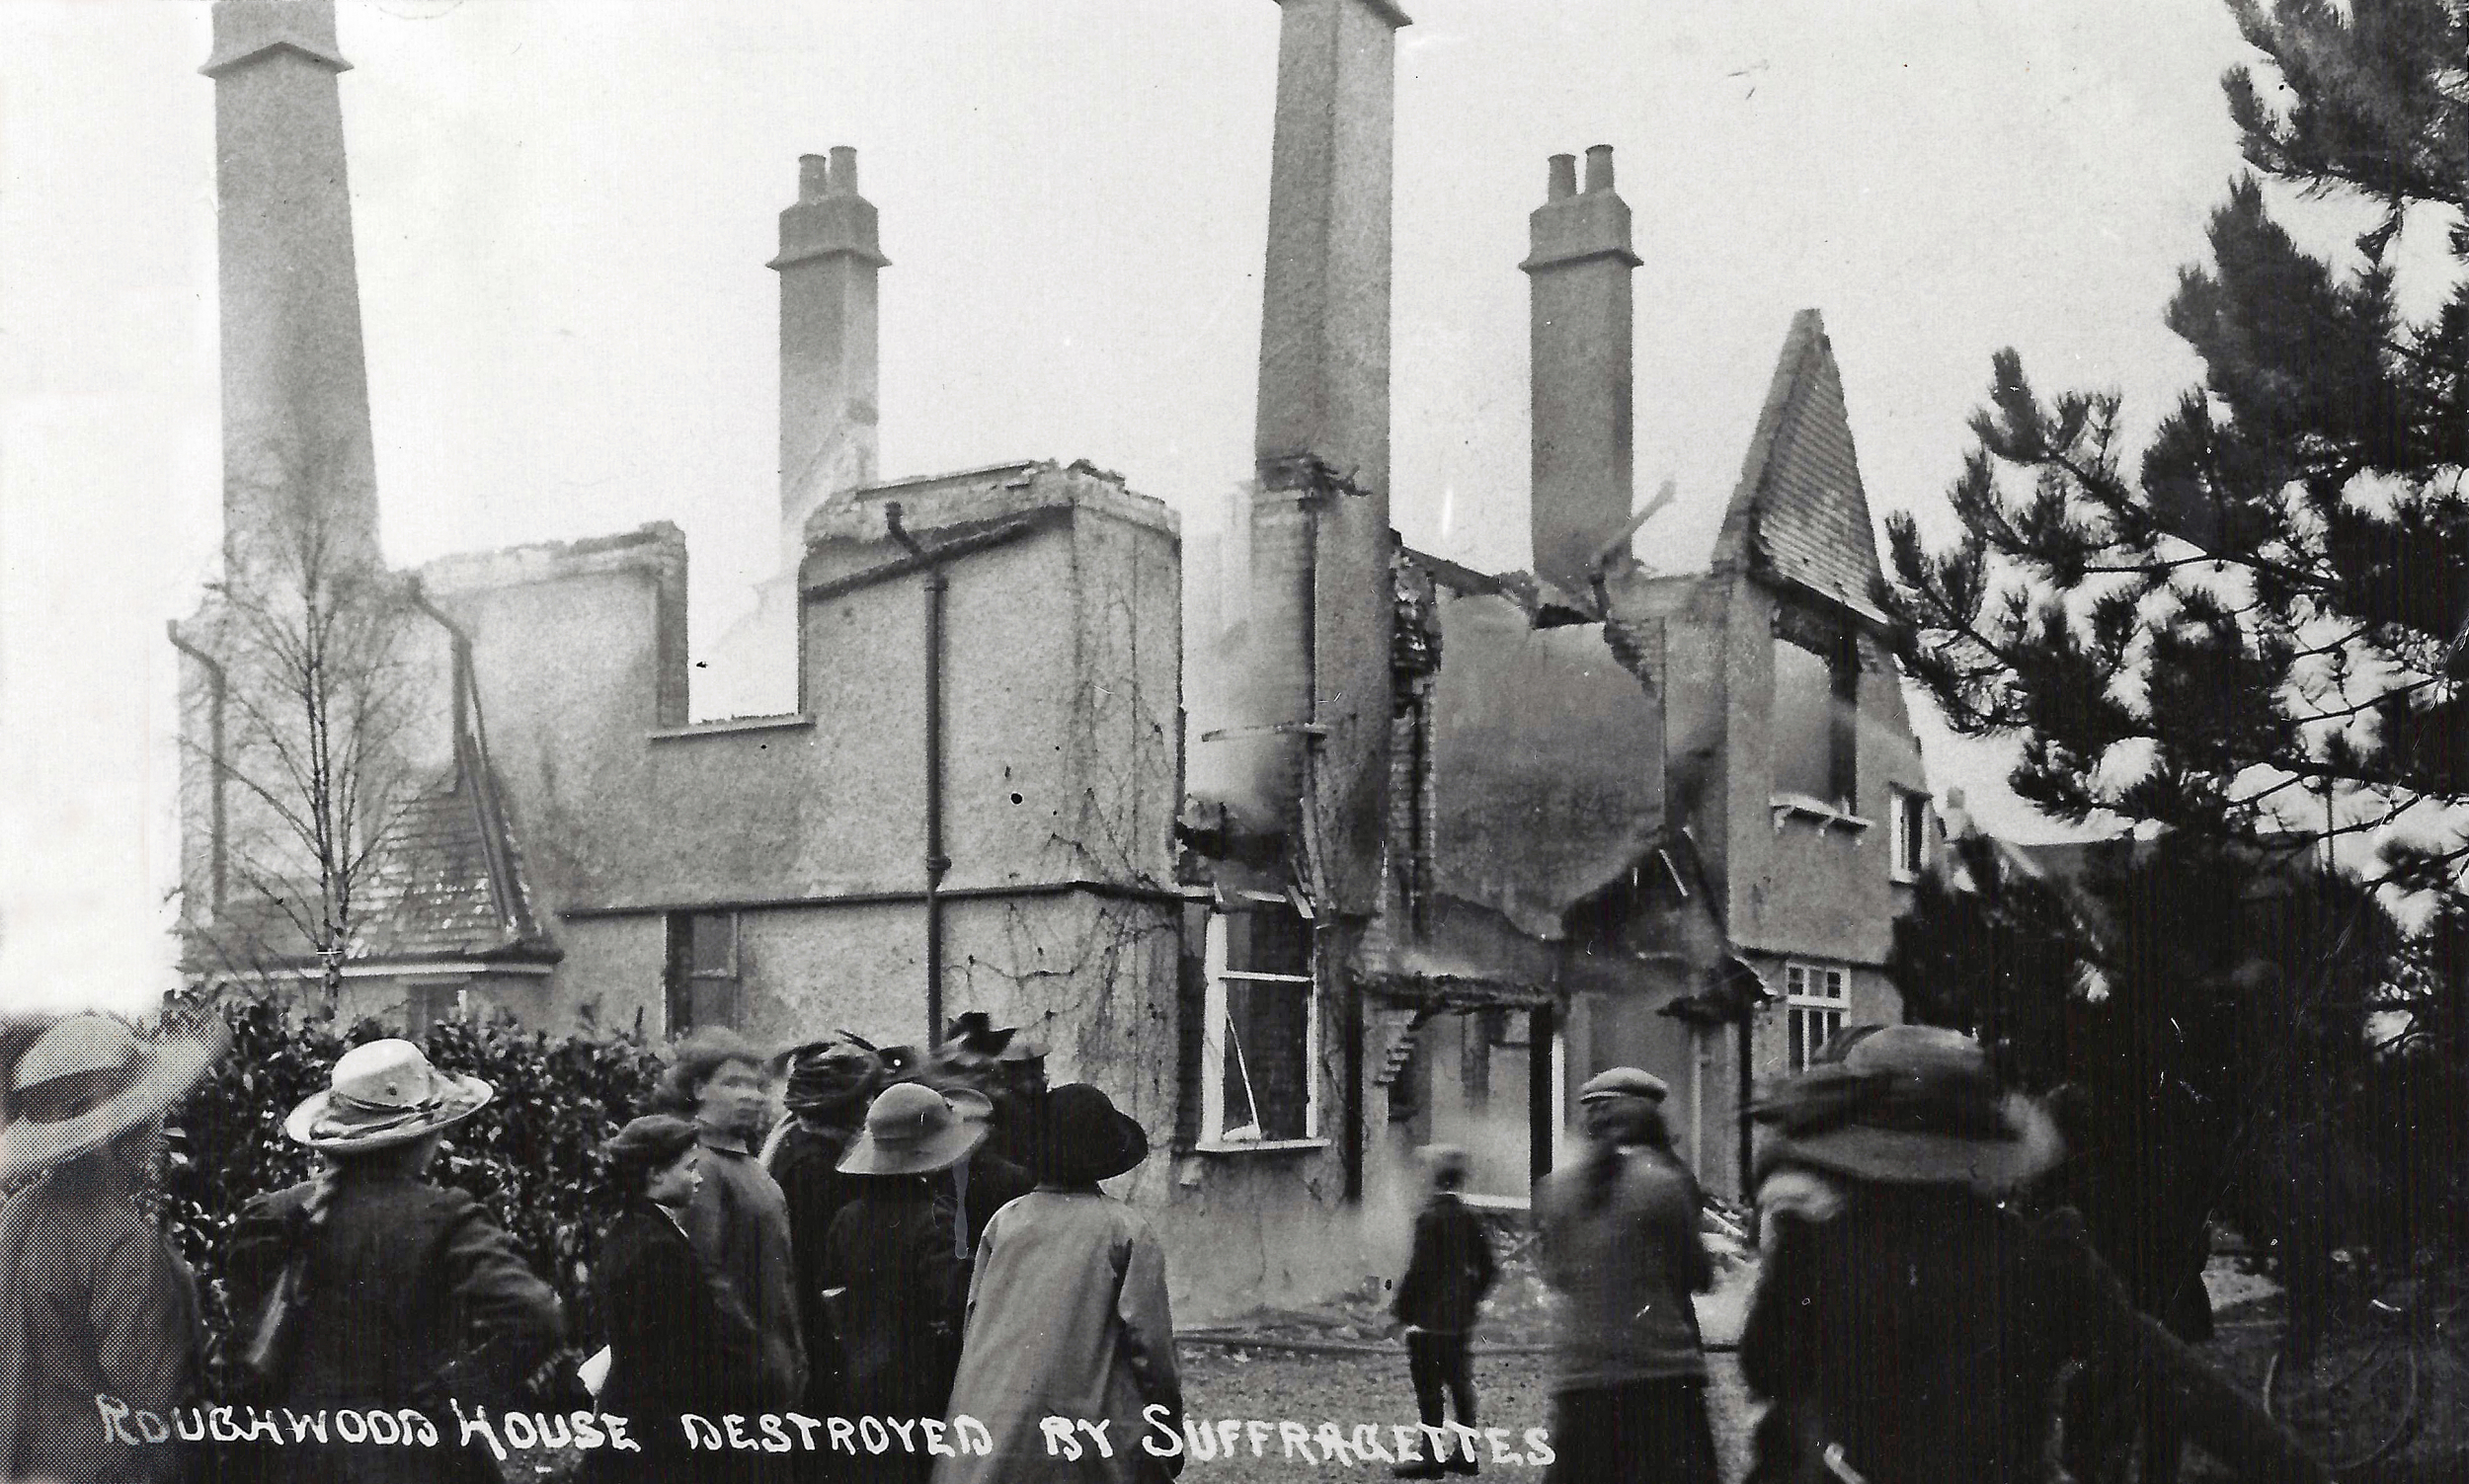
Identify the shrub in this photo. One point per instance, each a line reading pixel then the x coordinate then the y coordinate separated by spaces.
pixel 530 1156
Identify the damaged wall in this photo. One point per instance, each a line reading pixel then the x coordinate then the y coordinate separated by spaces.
pixel 1061 761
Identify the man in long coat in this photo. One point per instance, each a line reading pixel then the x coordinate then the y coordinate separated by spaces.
pixel 92 1301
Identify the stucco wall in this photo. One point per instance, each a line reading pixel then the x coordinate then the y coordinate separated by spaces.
pixel 1826 890
pixel 612 965
pixel 1060 748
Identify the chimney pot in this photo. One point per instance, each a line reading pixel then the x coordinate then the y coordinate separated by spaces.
pixel 843 170
pixel 1599 168
pixel 813 177
pixel 1563 180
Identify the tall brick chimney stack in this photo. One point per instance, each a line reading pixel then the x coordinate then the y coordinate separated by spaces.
pixel 297 455
pixel 1321 538
pixel 1578 273
pixel 828 327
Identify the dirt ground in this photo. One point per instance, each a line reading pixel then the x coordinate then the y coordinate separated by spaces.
pixel 1511 1392
pixel 1226 1378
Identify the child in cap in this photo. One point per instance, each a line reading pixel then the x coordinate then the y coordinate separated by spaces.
pixel 1444 1282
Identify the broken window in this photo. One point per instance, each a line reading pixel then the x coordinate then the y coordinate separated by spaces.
pixel 1816 999
pixel 704 986
pixel 1911 834
pixel 1263 1036
pixel 1813 731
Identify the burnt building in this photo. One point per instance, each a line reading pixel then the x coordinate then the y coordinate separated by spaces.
pixel 1430 847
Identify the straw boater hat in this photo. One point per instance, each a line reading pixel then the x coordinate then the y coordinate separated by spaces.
pixel 911 1131
pixel 1080 1138
pixel 87 1081
pixel 1912 1105
pixel 384 1094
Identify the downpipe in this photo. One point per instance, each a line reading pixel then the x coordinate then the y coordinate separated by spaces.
pixel 937 863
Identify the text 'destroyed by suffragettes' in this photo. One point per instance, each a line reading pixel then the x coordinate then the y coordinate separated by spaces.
pixel 1067 1438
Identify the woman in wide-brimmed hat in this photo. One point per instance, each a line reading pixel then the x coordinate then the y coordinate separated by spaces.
pixel 1910 1319
pixel 413 1292
pixel 92 1301
pixel 894 1257
pixel 1897 1322
pixel 1068 1312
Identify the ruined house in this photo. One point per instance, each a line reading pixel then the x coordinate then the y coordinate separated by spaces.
pixel 1434 845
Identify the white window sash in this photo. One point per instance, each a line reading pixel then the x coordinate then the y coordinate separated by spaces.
pixel 1826 987
pixel 1214 1050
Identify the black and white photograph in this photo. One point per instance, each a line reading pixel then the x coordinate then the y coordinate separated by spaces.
pixel 1001 742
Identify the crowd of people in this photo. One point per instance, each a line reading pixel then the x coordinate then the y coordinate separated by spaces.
pixel 921 1237
pixel 924 1238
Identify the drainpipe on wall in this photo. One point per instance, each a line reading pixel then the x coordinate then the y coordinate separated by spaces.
pixel 1748 1095
pixel 937 862
pixel 1542 1114
pixel 218 685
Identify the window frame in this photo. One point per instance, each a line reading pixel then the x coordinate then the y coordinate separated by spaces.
pixel 434 1003
pixel 1804 1008
pixel 1836 645
pixel 1215 1009
pixel 1907 834
pixel 681 976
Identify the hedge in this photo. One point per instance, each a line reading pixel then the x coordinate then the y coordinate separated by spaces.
pixel 530 1156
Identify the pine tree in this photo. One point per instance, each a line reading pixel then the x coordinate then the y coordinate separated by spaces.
pixel 2262 634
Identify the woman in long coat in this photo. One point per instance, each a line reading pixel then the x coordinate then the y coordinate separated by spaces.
pixel 893 1259
pixel 678 1341
pixel 91 1300
pixel 1068 1312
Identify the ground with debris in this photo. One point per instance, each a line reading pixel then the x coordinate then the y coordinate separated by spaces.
pixel 1342 1363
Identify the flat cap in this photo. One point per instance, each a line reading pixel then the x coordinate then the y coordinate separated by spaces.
pixel 1625 1083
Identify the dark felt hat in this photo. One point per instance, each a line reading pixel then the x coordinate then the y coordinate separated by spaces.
pixel 976 1034
pixel 1079 1137
pixel 829 1076
pixel 1912 1105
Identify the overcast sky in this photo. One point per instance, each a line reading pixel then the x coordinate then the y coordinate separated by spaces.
pixel 564 208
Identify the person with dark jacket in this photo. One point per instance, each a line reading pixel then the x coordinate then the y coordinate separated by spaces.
pixel 985 1182
pixel 739 1220
pixel 93 1303
pixel 1621 1244
pixel 1910 1324
pixel 829 1084
pixel 678 1341
pixel 1447 1277
pixel 415 1295
pixel 895 1258
pixel 1008 1066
